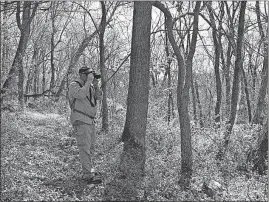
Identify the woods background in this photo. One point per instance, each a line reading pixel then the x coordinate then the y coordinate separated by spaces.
pixel 184 88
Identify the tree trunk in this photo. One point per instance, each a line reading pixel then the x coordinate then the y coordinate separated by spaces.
pixel 52 46
pixel 168 72
pixel 258 156
pixel 31 72
pixel 4 40
pixel 226 71
pixel 246 93
pixel 43 78
pixel 235 89
pixel 216 64
pixel 183 87
pixel 103 69
pixel 199 105
pixel 36 80
pixel 153 79
pixel 262 92
pixel 183 102
pixel 193 100
pixel 133 158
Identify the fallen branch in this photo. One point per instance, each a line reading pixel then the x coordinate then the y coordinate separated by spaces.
pixel 39 94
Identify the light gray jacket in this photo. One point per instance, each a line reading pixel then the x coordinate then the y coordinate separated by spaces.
pixel 83 101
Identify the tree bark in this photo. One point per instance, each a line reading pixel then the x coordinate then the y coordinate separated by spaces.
pixel 31 71
pixel 244 78
pixel 259 154
pixel 199 105
pixel 216 63
pixel 52 45
pixel 193 100
pixel 235 89
pixel 262 92
pixel 168 72
pixel 4 40
pixel 103 69
pixel 133 158
pixel 226 71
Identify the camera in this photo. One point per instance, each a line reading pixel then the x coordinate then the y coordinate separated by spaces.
pixel 96 75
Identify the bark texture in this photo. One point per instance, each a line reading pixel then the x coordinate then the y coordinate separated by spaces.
pixel 132 162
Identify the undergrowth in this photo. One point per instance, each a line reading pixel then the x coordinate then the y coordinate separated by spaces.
pixel 39 160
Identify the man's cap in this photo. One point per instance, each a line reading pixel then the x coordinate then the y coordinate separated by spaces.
pixel 85 70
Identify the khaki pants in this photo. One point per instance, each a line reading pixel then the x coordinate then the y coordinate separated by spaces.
pixel 85 135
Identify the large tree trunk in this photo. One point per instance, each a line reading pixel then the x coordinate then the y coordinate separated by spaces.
pixel 235 89
pixel 133 158
pixel 103 69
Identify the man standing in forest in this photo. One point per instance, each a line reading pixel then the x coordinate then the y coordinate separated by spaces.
pixel 83 95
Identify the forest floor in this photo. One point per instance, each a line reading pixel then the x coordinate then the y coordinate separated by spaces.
pixel 39 162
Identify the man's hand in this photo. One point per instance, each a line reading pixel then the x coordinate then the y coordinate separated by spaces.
pixel 90 79
pixel 95 83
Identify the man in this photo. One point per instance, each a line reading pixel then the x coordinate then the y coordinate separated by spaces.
pixel 83 96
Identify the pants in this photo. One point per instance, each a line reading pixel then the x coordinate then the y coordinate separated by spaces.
pixel 85 135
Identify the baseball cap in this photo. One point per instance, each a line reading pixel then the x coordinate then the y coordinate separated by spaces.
pixel 85 70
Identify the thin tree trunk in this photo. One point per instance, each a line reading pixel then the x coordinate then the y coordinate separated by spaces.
pixel 168 72
pixel 52 46
pixel 246 93
pixel 262 92
pixel 216 64
pixel 4 40
pixel 36 80
pixel 199 105
pixel 103 69
pixel 153 79
pixel 31 72
pixel 193 99
pixel 183 92
pixel 235 90
pixel 43 77
pixel 227 80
